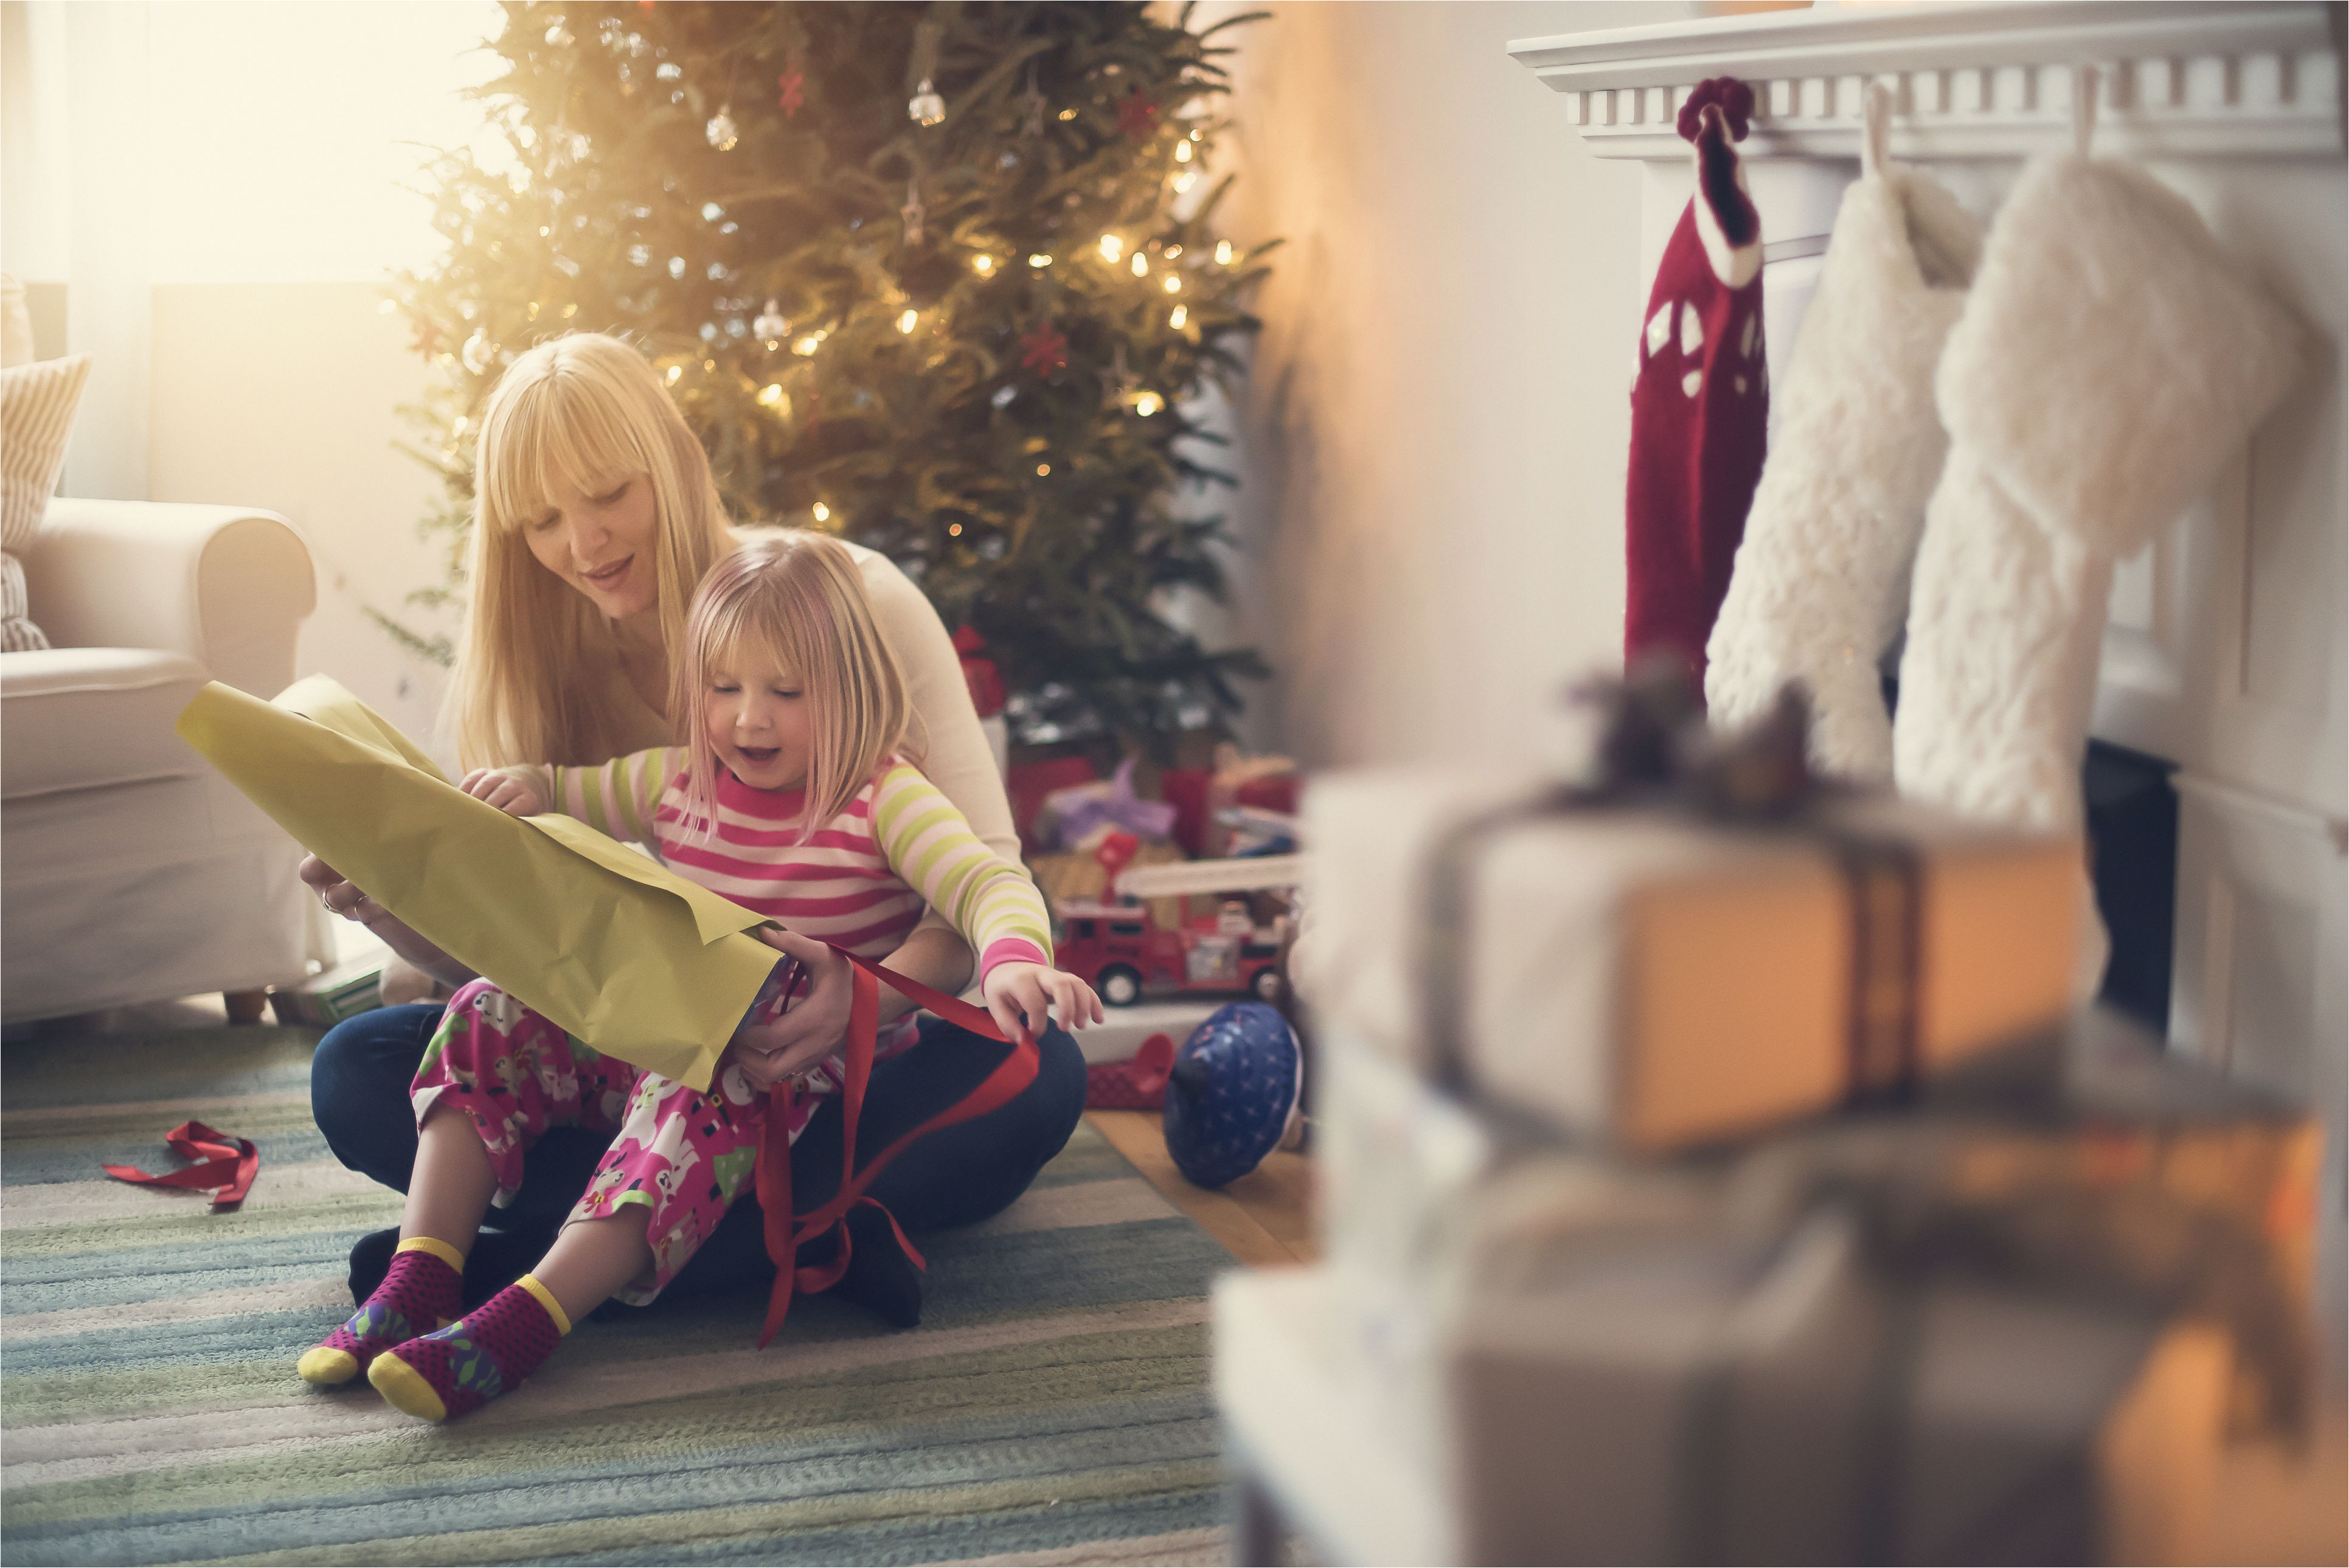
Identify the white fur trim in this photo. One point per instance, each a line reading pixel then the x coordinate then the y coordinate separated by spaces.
pixel 2116 355
pixel 1821 582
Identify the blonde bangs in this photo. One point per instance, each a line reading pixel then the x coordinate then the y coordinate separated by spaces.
pixel 581 412
pixel 551 434
pixel 797 598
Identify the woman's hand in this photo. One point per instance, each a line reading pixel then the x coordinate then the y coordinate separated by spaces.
pixel 813 1027
pixel 765 1069
pixel 1027 995
pixel 341 898
pixel 503 791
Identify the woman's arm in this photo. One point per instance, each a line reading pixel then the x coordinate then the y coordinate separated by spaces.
pixel 944 737
pixel 341 898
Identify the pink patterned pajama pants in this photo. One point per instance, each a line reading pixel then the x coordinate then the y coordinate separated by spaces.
pixel 684 1156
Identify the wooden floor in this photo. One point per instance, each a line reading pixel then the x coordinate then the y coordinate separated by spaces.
pixel 1264 1219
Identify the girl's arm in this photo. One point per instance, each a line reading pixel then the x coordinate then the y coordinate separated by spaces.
pixel 929 844
pixel 617 799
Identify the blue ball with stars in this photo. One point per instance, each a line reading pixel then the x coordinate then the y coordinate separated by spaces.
pixel 1230 1092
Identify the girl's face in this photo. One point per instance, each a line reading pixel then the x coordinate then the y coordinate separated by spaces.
pixel 754 714
pixel 600 544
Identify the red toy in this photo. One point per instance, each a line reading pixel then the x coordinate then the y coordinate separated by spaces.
pixel 1136 1085
pixel 1116 946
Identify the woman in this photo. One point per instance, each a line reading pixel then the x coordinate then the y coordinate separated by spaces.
pixel 595 518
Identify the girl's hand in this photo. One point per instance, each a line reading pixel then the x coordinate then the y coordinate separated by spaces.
pixel 1023 997
pixel 504 791
pixel 814 1026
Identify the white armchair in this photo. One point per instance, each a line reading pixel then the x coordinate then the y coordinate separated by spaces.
pixel 129 871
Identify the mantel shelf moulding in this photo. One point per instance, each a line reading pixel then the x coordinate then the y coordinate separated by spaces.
pixel 2180 78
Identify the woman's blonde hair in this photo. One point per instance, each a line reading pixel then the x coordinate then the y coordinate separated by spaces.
pixel 797 597
pixel 589 410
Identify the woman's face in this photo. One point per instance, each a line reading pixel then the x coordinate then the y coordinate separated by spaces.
pixel 754 714
pixel 601 544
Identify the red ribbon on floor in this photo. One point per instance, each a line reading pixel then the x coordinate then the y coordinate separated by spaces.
pixel 784 1238
pixel 229 1164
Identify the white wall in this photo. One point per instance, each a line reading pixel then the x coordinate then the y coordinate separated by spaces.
pixel 1436 431
pixel 282 395
pixel 231 183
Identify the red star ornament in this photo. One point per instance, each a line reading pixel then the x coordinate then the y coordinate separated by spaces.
pixel 792 83
pixel 1137 116
pixel 1043 350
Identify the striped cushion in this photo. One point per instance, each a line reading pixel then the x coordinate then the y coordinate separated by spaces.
pixel 18 635
pixel 36 411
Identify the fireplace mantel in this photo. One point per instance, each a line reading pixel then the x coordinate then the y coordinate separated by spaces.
pixel 2183 79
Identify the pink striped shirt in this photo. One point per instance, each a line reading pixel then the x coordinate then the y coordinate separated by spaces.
pixel 861 881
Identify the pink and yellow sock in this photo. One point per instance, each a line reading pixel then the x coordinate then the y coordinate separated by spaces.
pixel 475 1360
pixel 423 1290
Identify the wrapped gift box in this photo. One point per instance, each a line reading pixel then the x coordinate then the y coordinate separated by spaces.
pixel 2114 1161
pixel 326 998
pixel 1684 1399
pixel 1065 875
pixel 2104 1266
pixel 1651 978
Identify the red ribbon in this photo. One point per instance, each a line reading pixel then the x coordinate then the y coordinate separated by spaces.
pixel 229 1163
pixel 785 1236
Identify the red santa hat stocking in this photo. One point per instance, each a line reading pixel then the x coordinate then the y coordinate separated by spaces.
pixel 1700 403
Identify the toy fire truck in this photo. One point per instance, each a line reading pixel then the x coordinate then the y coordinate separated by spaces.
pixel 1114 944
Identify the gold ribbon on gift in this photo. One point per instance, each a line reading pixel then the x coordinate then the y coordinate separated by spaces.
pixel 609 944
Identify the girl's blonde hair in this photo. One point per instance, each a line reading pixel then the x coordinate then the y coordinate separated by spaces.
pixel 797 597
pixel 589 410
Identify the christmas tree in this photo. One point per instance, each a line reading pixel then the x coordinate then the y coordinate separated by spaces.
pixel 940 278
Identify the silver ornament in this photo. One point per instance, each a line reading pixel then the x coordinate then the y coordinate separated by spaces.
pixel 771 326
pixel 925 107
pixel 721 133
pixel 559 37
pixel 478 353
pixel 1003 397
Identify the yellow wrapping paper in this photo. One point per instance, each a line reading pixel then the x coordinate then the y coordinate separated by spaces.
pixel 609 944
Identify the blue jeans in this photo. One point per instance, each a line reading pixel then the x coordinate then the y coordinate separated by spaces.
pixel 957 1176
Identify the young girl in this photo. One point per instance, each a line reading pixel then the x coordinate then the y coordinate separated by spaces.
pixel 790 800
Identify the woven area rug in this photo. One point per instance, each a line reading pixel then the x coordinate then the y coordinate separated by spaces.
pixel 1051 1408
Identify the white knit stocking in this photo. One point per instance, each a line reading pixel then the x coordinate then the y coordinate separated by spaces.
pixel 2109 360
pixel 1821 581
